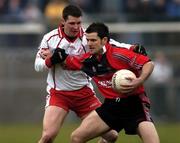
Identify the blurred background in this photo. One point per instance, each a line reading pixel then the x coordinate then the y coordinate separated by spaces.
pixel 152 23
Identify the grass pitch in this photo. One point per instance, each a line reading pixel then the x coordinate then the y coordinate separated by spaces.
pixel 30 133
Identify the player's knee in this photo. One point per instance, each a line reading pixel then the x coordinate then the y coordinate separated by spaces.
pixel 48 137
pixel 112 137
pixel 75 138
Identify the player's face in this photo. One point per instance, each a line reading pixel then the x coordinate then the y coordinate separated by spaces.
pixel 72 26
pixel 95 43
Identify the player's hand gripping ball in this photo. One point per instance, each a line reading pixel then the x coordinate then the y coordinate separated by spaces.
pixel 122 77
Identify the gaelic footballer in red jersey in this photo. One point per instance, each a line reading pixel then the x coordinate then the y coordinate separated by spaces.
pixel 101 67
pixel 119 111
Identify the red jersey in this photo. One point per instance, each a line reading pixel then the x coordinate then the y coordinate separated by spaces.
pixel 102 67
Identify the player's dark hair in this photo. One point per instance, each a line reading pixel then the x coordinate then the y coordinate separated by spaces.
pixel 100 28
pixel 71 10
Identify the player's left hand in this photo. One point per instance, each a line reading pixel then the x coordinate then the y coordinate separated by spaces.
pixel 58 56
pixel 131 86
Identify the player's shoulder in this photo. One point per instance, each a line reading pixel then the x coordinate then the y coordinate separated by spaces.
pixel 82 33
pixel 83 37
pixel 117 44
pixel 51 34
pixel 115 50
pixel 83 29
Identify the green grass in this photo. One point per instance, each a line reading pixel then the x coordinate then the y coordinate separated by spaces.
pixel 30 133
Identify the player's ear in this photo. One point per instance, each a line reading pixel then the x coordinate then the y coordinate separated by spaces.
pixel 104 40
pixel 62 21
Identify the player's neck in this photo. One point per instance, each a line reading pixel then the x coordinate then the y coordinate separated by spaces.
pixel 70 37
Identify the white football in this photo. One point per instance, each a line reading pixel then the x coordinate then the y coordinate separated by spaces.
pixel 120 78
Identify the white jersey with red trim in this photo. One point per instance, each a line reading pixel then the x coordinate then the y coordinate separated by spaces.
pixel 59 78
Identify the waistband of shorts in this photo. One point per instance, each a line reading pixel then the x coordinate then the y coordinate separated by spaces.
pixel 52 90
pixel 118 99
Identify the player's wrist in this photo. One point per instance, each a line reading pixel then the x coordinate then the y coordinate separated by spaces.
pixel 48 62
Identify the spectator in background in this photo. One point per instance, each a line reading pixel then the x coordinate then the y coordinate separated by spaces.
pixel 146 8
pixel 131 8
pixel 14 11
pixel 3 7
pixel 161 78
pixel 163 69
pixel 138 10
pixel 88 6
pixel 159 10
pixel 32 13
pixel 173 9
pixel 42 4
pixel 113 9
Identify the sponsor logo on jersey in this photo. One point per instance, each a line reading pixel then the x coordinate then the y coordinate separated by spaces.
pixel 106 83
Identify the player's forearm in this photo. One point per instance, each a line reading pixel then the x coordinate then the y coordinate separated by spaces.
pixel 73 63
pixel 146 71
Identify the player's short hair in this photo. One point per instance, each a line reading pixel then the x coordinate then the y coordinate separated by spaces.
pixel 71 10
pixel 100 28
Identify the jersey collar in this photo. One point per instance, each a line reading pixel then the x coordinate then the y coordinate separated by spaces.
pixel 104 49
pixel 63 35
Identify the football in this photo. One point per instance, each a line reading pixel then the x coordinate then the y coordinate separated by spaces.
pixel 121 78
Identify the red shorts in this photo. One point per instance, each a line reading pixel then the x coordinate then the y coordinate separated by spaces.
pixel 81 101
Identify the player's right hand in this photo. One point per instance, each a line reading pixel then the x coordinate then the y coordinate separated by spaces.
pixel 45 53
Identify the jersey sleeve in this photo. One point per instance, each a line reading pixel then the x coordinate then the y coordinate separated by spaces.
pixel 75 62
pixel 126 58
pixel 137 48
pixel 120 45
